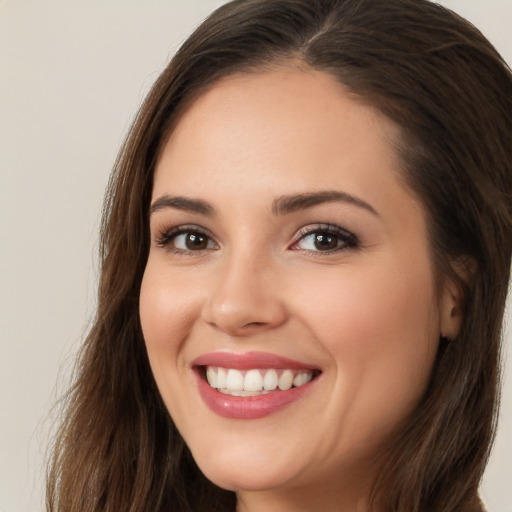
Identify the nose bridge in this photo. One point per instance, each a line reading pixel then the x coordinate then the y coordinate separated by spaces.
pixel 245 297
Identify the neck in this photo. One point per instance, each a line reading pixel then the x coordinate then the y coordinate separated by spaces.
pixel 327 498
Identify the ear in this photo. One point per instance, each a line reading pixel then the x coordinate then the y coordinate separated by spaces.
pixel 452 298
pixel 450 310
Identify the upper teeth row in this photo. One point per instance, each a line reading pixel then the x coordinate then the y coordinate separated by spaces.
pixel 256 380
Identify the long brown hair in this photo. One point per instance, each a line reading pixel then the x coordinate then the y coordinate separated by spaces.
pixel 443 83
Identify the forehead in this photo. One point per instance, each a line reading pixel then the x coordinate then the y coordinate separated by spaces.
pixel 289 128
pixel 279 95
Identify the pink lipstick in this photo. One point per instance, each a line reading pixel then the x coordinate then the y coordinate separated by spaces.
pixel 251 385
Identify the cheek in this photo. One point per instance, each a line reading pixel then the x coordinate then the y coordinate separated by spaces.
pixel 165 307
pixel 380 328
pixel 168 309
pixel 361 306
pixel 166 319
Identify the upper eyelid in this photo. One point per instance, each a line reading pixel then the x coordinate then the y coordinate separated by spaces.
pixel 304 231
pixel 351 238
pixel 183 228
pixel 159 234
pixel 330 228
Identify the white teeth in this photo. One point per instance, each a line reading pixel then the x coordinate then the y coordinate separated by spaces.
pixel 221 378
pixel 255 382
pixel 242 393
pixel 235 380
pixel 285 380
pixel 211 377
pixel 270 380
pixel 301 378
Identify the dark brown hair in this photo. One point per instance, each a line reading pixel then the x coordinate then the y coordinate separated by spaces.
pixel 449 91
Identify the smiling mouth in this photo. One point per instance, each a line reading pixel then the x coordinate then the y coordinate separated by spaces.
pixel 255 382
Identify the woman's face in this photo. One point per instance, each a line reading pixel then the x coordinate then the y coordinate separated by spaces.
pixel 285 248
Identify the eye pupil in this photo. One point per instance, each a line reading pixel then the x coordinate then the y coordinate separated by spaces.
pixel 325 242
pixel 196 241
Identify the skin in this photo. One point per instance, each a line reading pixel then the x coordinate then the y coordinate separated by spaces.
pixel 367 313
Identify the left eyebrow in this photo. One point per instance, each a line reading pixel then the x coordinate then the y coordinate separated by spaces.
pixel 292 203
pixel 183 203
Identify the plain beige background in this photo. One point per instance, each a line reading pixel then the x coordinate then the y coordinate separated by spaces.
pixel 72 74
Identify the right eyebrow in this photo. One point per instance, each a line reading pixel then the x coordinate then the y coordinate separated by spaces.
pixel 288 204
pixel 182 203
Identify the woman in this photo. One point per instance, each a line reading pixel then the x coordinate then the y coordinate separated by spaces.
pixel 305 258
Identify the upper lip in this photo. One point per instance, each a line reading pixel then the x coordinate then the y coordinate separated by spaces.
pixel 250 360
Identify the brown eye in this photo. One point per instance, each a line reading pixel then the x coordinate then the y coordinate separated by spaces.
pixel 330 239
pixel 195 241
pixel 182 240
pixel 325 242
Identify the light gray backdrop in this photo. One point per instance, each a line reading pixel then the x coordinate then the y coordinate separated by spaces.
pixel 72 74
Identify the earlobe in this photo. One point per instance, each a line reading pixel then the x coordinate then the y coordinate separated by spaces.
pixel 451 313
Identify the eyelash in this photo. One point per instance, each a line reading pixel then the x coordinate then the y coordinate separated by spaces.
pixel 166 237
pixel 345 239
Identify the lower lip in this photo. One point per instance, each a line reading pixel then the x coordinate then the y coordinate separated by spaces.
pixel 249 407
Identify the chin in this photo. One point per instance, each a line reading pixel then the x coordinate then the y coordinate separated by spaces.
pixel 248 480
pixel 238 470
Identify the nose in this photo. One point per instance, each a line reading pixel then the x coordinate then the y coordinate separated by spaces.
pixel 246 298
